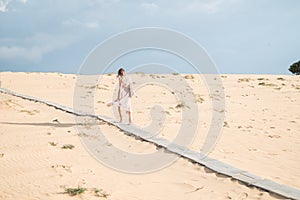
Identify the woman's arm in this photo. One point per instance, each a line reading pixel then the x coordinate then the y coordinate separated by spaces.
pixel 130 88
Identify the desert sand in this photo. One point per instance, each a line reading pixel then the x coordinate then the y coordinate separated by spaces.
pixel 42 154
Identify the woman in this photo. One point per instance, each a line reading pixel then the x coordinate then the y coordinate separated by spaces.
pixel 125 93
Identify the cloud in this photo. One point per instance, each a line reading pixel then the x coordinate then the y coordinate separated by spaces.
pixel 91 25
pixel 4 4
pixel 151 7
pixel 201 6
pixel 34 48
pixel 33 54
pixel 75 22
pixel 205 6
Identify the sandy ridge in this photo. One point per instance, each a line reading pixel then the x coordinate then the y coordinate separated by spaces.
pixel 215 165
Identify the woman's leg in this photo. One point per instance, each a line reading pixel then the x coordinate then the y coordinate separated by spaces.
pixel 120 114
pixel 129 117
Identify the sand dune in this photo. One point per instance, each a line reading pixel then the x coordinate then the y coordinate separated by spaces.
pixel 260 135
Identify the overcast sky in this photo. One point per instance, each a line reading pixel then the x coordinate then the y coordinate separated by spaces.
pixel 240 36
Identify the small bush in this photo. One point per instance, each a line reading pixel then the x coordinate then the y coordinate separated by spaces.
pixel 295 68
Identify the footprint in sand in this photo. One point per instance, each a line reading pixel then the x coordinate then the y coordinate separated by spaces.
pixel 243 195
pixel 252 149
pixel 186 186
pixel 196 189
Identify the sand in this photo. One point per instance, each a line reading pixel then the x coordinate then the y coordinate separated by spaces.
pixel 260 135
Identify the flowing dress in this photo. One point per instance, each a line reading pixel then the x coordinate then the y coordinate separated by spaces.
pixel 125 92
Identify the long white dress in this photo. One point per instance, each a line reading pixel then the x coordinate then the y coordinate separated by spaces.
pixel 125 87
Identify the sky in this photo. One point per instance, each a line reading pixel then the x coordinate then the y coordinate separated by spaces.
pixel 240 36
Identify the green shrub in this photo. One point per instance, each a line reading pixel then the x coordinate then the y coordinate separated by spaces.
pixel 295 68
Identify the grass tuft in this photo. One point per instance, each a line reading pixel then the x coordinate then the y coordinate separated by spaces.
pixel 199 99
pixel 243 80
pixel 68 146
pixel 75 191
pixel 100 193
pixel 189 76
pixel 180 105
pixel 30 112
pixel 53 144
pixel 140 73
pixel 267 84
pixel 261 79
